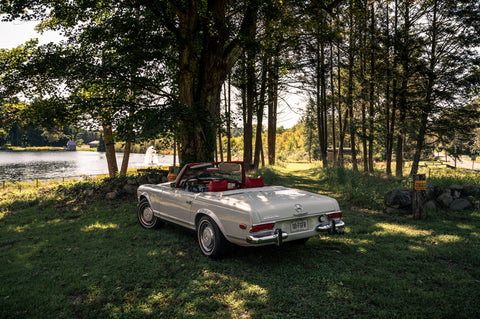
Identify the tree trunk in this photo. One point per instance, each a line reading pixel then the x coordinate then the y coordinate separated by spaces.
pixel 220 146
pixel 260 108
pixel 205 59
pixel 351 56
pixel 248 124
pixel 334 145
pixel 390 100
pixel 321 104
pixel 126 157
pixel 272 108
pixel 110 149
pixel 227 92
pixel 341 125
pixel 364 134
pixel 428 104
pixel 363 84
pixel 402 99
pixel 371 112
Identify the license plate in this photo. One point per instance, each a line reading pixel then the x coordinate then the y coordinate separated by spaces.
pixel 299 225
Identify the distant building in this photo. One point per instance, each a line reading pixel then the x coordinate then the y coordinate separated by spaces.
pixel 71 146
pixel 94 144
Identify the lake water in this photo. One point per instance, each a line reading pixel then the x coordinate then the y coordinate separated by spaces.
pixel 45 165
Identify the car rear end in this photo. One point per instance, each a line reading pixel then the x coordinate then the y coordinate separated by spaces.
pixel 282 214
pixel 278 232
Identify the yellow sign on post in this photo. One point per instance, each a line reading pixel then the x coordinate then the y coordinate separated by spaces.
pixel 420 185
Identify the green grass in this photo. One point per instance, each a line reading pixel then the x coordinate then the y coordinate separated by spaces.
pixel 65 257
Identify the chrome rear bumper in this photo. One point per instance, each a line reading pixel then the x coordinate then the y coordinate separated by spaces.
pixel 330 226
pixel 279 235
pixel 275 238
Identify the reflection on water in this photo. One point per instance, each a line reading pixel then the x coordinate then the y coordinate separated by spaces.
pixel 32 170
pixel 44 165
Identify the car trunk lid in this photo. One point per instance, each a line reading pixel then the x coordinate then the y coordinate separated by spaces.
pixel 274 203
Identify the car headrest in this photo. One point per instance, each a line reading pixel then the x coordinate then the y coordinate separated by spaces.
pixel 254 182
pixel 218 186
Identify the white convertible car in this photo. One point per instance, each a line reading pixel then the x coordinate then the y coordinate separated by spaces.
pixel 218 202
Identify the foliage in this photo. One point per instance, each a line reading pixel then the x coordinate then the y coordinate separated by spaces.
pixel 380 75
pixel 458 176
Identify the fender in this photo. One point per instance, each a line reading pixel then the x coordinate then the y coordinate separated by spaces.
pixel 147 197
pixel 144 195
pixel 209 213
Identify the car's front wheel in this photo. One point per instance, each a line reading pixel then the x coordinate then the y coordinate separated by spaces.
pixel 145 215
pixel 210 238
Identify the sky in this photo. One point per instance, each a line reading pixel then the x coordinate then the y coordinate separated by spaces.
pixel 13 34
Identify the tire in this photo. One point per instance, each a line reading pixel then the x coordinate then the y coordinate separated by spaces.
pixel 145 215
pixel 210 238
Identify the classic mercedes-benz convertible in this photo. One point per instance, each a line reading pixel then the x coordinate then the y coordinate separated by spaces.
pixel 223 206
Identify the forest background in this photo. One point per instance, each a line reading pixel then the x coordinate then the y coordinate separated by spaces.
pixel 383 80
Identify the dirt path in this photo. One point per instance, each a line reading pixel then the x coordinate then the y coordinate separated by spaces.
pixel 464 162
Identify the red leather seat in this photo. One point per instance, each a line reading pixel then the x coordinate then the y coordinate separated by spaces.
pixel 218 186
pixel 254 182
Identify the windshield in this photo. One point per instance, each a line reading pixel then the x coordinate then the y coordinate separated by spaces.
pixel 213 172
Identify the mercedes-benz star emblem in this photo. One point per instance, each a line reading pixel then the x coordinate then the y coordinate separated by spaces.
pixel 298 208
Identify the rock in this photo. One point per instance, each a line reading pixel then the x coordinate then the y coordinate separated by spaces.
pixel 111 195
pixel 445 199
pixel 107 188
pixel 472 190
pixel 431 206
pixel 398 198
pixel 432 191
pixel 142 180
pixel 132 181
pixel 130 189
pixel 460 204
pixel 152 179
pixel 456 187
pixel 456 191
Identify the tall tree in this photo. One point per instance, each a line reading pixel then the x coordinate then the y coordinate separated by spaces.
pixel 350 88
pixel 207 40
pixel 259 113
pixel 272 98
pixel 446 60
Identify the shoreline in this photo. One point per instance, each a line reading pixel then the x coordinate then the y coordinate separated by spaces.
pixel 33 149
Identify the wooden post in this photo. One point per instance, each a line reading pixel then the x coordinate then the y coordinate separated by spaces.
pixel 418 198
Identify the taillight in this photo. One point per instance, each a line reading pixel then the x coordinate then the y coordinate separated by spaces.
pixel 259 227
pixel 334 215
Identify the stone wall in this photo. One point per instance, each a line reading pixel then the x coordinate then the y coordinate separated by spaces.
pixel 453 198
pixel 130 185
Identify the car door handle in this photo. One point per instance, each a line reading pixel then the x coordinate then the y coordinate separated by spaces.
pixel 188 202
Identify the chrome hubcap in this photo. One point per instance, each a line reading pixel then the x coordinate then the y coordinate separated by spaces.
pixel 147 214
pixel 208 238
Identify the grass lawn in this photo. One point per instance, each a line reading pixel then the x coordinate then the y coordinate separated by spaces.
pixel 66 258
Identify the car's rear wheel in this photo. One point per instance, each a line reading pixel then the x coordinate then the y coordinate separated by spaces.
pixel 210 238
pixel 145 215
